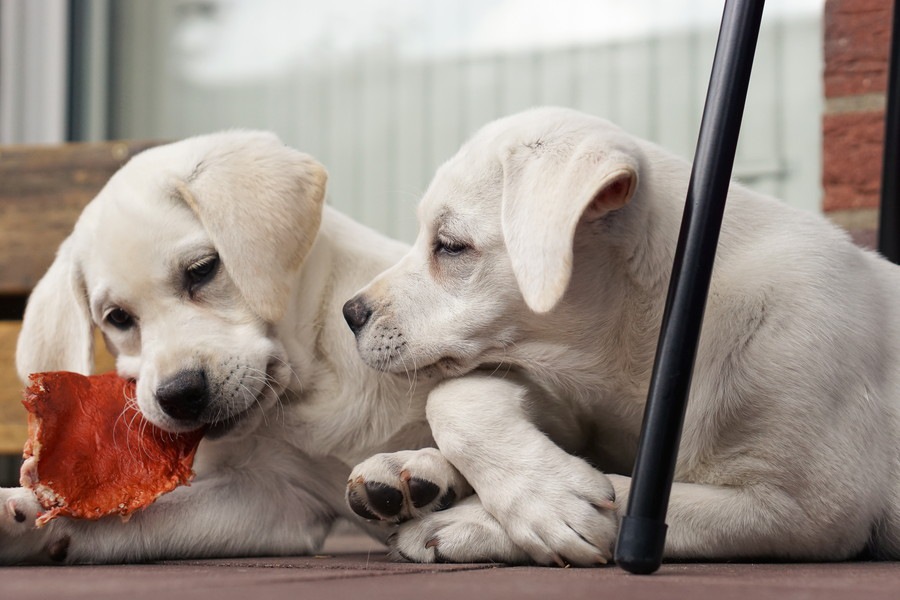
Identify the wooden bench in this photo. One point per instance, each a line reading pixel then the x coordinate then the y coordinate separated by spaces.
pixel 42 191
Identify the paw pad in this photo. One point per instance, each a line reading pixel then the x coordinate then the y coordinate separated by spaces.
pixel 422 492
pixel 383 498
pixel 396 487
pixel 378 501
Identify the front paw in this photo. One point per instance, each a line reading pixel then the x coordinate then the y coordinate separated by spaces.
pixel 19 509
pixel 399 486
pixel 567 516
pixel 20 540
pixel 465 533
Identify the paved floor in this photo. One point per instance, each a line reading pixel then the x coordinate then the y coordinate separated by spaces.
pixel 356 568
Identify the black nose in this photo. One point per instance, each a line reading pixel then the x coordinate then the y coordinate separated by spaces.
pixel 357 313
pixel 184 396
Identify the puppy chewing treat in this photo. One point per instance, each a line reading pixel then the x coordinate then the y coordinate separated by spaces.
pixel 215 274
pixel 90 452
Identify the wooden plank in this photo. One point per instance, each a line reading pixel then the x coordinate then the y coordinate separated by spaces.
pixel 44 189
pixel 13 429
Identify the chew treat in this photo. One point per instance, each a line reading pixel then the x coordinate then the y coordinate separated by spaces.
pixel 91 453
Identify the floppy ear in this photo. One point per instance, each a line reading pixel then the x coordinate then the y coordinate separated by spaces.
pixel 261 203
pixel 57 333
pixel 549 187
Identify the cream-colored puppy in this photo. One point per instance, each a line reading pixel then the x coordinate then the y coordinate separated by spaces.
pixel 217 278
pixel 544 252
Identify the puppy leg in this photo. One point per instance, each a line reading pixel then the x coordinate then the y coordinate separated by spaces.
pixel 395 487
pixel 554 506
pixel 713 522
pixel 230 514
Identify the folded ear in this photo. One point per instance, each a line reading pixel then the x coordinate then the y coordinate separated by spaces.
pixel 57 333
pixel 549 187
pixel 261 203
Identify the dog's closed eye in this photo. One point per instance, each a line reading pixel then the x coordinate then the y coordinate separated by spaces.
pixel 201 272
pixel 449 247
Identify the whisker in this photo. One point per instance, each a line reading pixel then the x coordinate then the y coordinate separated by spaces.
pixel 412 379
pixel 268 383
pixel 255 398
pixel 291 370
pixel 130 412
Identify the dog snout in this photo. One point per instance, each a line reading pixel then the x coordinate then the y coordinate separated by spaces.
pixel 185 396
pixel 357 313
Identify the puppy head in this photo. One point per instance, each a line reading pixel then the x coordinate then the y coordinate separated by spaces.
pixel 184 261
pixel 495 245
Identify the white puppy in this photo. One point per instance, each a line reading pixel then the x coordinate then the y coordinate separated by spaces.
pixel 544 251
pixel 205 267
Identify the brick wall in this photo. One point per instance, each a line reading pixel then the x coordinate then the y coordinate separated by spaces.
pixel 857 40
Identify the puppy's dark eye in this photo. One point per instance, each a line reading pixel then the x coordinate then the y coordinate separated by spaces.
pixel 120 319
pixel 449 247
pixel 201 271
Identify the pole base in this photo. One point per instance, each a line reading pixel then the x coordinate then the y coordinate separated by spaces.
pixel 639 548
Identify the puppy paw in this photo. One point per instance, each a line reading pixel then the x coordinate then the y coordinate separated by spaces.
pixel 463 533
pixel 563 516
pixel 20 540
pixel 399 486
pixel 19 509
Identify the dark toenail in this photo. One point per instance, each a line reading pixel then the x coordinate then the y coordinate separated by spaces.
pixel 19 516
pixel 446 500
pixel 359 505
pixel 385 499
pixel 422 491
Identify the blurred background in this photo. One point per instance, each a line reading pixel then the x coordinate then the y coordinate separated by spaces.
pixel 383 91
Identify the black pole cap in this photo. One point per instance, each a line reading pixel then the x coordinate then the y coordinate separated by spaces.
pixel 640 546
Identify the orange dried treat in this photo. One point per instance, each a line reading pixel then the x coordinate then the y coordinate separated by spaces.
pixel 91 453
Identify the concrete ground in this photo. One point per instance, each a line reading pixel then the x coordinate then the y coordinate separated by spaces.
pixel 356 568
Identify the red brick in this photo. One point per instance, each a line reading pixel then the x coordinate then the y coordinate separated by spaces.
pixel 851 161
pixel 857 38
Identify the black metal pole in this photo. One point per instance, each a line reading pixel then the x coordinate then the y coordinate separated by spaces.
pixel 642 532
pixel 889 217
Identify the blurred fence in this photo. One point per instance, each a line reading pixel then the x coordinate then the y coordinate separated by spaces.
pixel 382 121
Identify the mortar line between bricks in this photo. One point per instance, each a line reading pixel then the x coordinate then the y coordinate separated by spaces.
pixel 855 103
